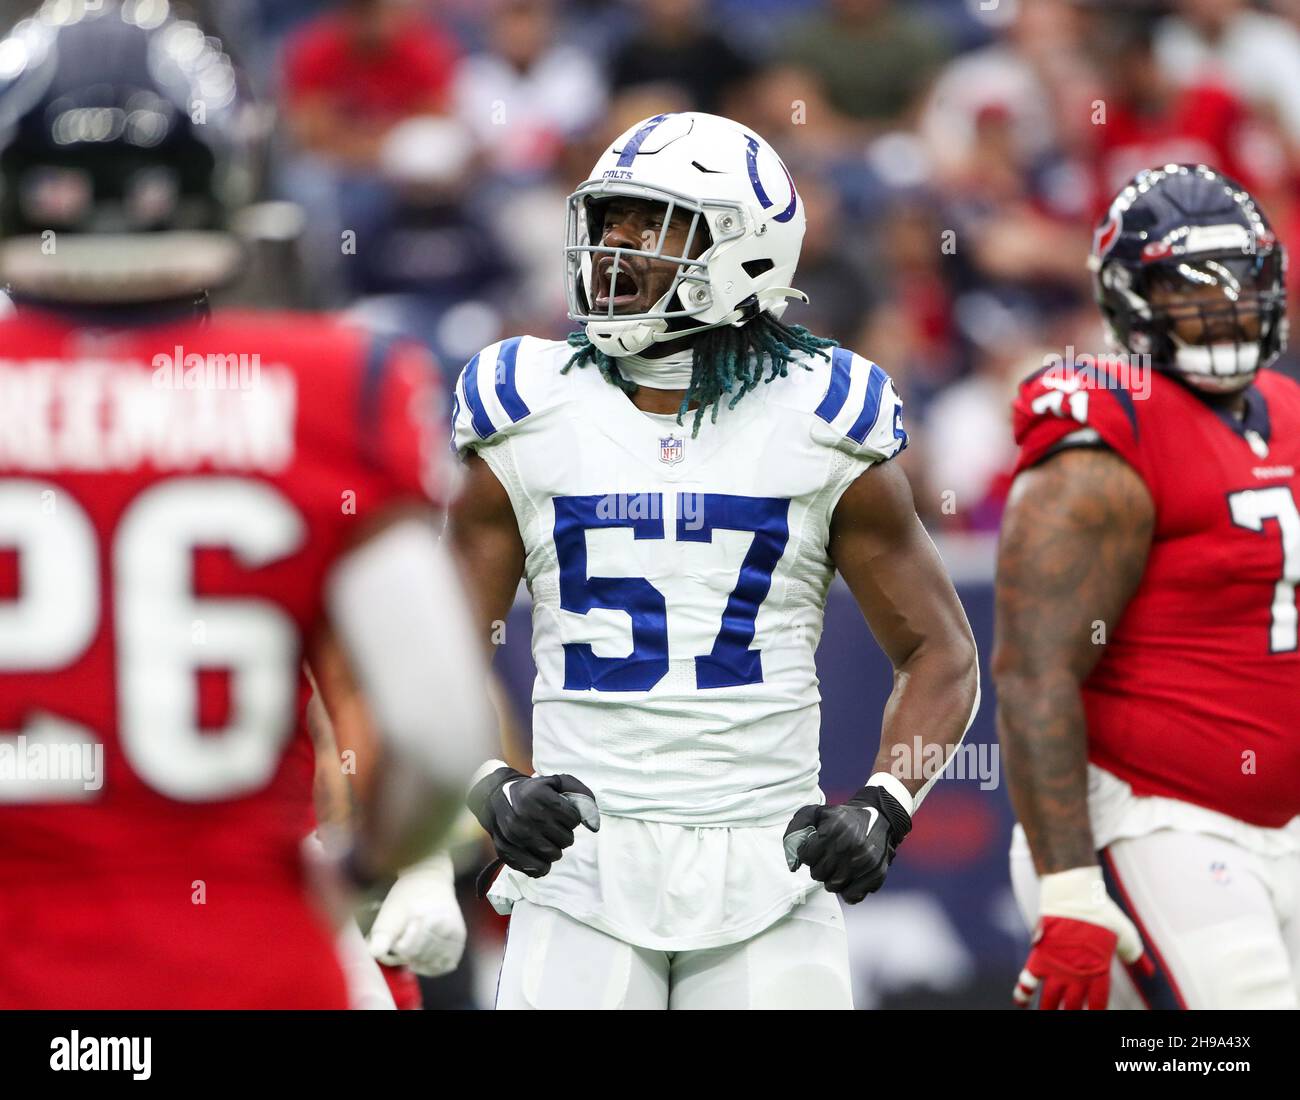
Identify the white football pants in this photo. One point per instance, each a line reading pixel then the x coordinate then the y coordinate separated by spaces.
pixel 1221 923
pixel 553 961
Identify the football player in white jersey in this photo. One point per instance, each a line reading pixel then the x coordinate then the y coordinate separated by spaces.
pixel 677 484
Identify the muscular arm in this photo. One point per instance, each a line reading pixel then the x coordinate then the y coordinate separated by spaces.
pixel 403 685
pixel 484 537
pixel 1074 544
pixel 331 793
pixel 895 574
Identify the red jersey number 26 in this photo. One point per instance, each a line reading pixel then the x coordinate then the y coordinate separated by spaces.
pixel 162 633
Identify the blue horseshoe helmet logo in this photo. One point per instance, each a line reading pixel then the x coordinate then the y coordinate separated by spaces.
pixel 751 157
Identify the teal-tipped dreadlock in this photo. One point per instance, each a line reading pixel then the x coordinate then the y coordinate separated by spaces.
pixel 725 360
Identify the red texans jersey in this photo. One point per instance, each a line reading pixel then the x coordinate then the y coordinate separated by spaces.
pixel 1197 693
pixel 172 498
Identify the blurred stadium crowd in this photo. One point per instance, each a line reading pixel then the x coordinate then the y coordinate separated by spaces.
pixel 952 154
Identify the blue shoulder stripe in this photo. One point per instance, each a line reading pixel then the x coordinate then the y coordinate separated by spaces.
pixel 870 406
pixel 838 390
pixel 507 391
pixel 477 413
pixel 455 416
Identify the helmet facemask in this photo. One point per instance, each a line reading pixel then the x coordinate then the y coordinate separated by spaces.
pixel 1214 320
pixel 603 282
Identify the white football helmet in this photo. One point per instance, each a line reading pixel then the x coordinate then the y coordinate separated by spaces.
pixel 734 186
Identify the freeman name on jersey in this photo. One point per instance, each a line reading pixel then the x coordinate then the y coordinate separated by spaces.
pixel 100 414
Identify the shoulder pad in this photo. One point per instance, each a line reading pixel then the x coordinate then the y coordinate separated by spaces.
pixel 499 389
pixel 860 412
pixel 1061 404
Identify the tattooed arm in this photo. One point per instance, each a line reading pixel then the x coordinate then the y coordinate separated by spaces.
pixel 1073 548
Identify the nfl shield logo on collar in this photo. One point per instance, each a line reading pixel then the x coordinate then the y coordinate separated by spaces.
pixel 672 449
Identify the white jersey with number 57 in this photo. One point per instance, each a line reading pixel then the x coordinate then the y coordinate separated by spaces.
pixel 678 581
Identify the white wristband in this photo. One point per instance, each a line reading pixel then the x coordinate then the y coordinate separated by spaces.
pixel 1079 893
pixel 484 771
pixel 895 787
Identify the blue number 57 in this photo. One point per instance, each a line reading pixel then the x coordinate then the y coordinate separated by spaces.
pixel 730 663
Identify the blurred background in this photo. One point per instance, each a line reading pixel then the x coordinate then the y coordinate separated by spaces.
pixel 953 156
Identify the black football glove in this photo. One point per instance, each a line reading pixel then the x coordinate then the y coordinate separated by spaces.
pixel 531 819
pixel 848 847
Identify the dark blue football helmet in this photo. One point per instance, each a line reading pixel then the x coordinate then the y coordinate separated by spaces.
pixel 1187 269
pixel 124 147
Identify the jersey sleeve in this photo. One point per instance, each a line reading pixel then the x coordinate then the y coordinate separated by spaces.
pixel 1076 407
pixel 488 402
pixel 404 424
pixel 861 413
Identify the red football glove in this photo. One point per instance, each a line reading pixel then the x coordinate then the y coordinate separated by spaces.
pixel 1080 930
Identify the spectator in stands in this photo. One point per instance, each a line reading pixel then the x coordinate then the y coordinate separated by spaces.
pixel 1036 74
pixel 1255 52
pixel 1006 241
pixel 912 268
pixel 351 75
pixel 675 44
pixel 830 267
pixel 873 57
pixel 528 92
pixel 814 138
pixel 434 269
pixel 1147 118
pixel 970 451
pixel 350 78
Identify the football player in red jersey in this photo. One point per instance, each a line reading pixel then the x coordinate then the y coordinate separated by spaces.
pixel 1147 670
pixel 189 507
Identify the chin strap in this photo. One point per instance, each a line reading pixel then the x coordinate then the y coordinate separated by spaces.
pixel 746 311
pixel 620 331
pixel 736 316
pixel 783 292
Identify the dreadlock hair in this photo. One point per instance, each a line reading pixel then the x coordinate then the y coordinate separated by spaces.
pixel 725 360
